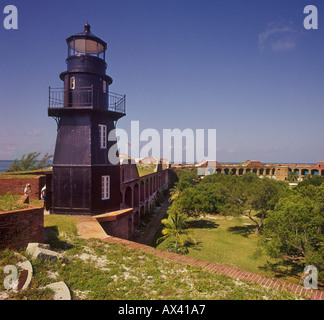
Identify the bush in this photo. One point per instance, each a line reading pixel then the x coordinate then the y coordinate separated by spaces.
pixel 294 231
pixel 29 162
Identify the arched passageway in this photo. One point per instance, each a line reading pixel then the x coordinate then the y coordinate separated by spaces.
pixel 136 195
pixel 128 197
pixel 142 191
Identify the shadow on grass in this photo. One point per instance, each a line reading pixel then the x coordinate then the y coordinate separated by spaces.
pixel 181 249
pixel 194 246
pixel 288 269
pixel 281 268
pixel 193 224
pixel 51 236
pixel 244 231
pixel 202 224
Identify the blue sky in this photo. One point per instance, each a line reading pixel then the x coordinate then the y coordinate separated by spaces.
pixel 248 69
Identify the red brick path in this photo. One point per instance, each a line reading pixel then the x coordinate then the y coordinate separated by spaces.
pixel 221 269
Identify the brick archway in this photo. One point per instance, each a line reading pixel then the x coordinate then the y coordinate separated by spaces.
pixel 129 197
pixel 142 191
pixel 136 196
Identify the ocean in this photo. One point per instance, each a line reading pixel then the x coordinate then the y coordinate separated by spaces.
pixel 5 164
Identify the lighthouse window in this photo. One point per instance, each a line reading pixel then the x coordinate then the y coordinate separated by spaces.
pixel 105 187
pixel 104 86
pixel 72 83
pixel 103 136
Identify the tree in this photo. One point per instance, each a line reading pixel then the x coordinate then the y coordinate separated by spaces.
pixel 294 230
pixel 186 179
pixel 198 200
pixel 176 226
pixel 251 197
pixel 30 162
pixel 266 194
pixel 292 176
pixel 311 180
pixel 175 192
pixel 44 162
pixel 246 195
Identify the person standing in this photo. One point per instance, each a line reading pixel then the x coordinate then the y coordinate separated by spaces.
pixel 43 196
pixel 27 192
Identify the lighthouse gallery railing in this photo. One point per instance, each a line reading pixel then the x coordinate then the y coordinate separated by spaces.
pixel 86 97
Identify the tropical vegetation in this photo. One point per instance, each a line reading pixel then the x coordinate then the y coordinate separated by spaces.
pixel 288 221
pixel 30 162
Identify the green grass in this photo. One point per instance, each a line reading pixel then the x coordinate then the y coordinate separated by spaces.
pixel 94 269
pixel 144 169
pixel 57 227
pixel 9 202
pixel 228 241
pixel 24 174
pixel 232 242
pixel 18 176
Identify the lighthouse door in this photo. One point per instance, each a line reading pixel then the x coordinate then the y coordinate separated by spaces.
pixel 71 185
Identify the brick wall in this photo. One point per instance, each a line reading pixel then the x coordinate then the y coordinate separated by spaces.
pixel 18 228
pixel 118 228
pixel 281 173
pixel 17 185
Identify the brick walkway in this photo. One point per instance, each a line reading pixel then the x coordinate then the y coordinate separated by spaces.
pixel 221 269
pixel 90 228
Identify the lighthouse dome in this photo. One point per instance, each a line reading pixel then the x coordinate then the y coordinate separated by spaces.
pixel 86 43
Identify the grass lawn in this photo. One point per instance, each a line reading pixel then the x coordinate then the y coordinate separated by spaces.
pixel 10 202
pixel 232 242
pixel 229 241
pixel 144 169
pixel 94 269
pixel 23 174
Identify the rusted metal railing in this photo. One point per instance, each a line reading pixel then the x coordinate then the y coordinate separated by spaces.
pixel 86 97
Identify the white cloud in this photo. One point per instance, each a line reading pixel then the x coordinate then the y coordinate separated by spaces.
pixel 278 37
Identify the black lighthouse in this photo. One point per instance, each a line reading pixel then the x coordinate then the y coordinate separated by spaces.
pixel 86 172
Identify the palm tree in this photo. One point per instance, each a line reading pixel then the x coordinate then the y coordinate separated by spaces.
pixel 175 192
pixel 292 176
pixel 176 225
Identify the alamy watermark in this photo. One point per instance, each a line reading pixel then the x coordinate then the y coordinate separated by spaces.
pixel 11 19
pixel 311 20
pixel 175 145
pixel 11 281
pixel 311 276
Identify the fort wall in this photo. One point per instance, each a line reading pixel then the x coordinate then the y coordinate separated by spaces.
pixel 17 185
pixel 18 228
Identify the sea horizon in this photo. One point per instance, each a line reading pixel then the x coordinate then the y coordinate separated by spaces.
pixel 5 164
